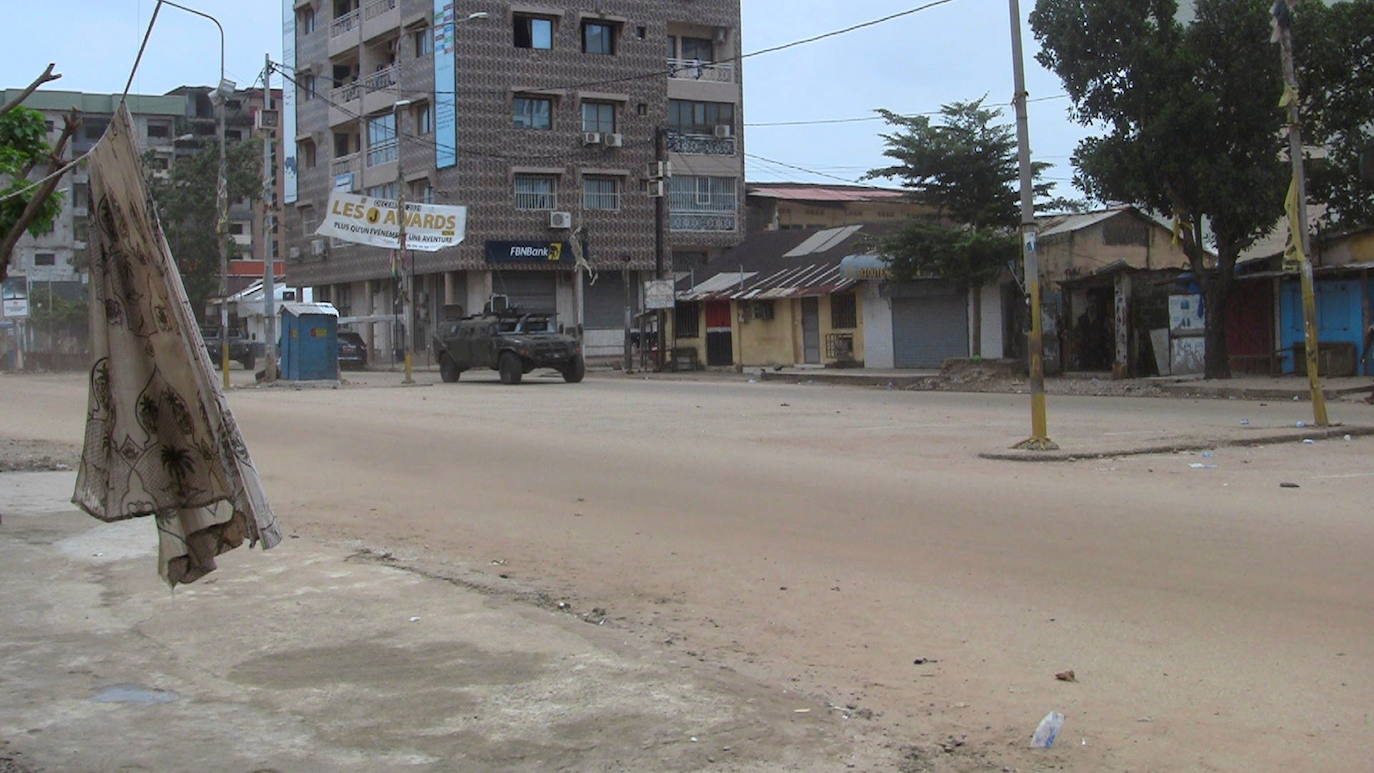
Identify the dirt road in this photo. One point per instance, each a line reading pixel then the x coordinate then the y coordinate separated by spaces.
pixel 847 543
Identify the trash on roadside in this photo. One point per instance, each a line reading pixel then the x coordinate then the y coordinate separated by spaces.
pixel 1047 731
pixel 1208 454
pixel 1347 438
pixel 1245 422
pixel 753 381
pixel 923 661
pixel 1201 466
pixel 801 711
pixel 1307 441
pixel 414 619
pixel 1066 676
pixel 1145 719
pixel 1300 424
pixel 1289 485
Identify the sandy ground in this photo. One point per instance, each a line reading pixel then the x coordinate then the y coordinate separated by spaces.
pixel 847 544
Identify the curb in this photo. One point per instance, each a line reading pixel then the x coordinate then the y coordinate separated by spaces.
pixel 1313 433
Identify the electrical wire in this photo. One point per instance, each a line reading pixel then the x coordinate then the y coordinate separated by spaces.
pixel 821 121
pixel 673 70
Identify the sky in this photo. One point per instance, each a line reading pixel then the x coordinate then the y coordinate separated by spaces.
pixel 957 51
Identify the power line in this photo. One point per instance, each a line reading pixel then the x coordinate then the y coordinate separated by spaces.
pixel 881 118
pixel 801 169
pixel 675 69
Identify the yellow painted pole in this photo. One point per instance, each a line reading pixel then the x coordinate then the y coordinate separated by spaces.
pixel 1297 213
pixel 1039 439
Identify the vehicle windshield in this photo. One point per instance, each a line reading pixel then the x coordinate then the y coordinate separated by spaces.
pixel 530 323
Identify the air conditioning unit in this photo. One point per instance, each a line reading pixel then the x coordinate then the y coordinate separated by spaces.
pixel 724 131
pixel 659 170
pixel 591 138
pixel 266 119
pixel 762 310
pixel 317 247
pixel 560 220
pixel 656 189
pixel 614 140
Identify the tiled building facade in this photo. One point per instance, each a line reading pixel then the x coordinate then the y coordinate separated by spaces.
pixel 556 108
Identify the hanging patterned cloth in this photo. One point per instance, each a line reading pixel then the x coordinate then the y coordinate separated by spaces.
pixel 160 439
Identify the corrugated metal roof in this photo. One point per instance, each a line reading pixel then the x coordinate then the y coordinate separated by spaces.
pixel 722 281
pixel 802 193
pixel 1079 222
pixel 798 282
pixel 822 241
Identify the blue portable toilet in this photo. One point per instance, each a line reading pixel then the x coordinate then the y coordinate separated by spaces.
pixel 309 342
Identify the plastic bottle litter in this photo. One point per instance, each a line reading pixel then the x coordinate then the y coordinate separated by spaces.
pixel 1201 466
pixel 1300 424
pixel 1047 731
pixel 1308 441
pixel 1207 454
pixel 1245 422
pixel 1347 438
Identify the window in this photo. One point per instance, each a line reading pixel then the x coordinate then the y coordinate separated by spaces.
pixel 600 192
pixel 535 191
pixel 381 139
pixel 80 228
pixel 233 104
pixel 44 259
pixel 598 117
pixel 687 320
pixel 698 50
pixel 307 88
pixel 699 117
pixel 236 229
pixel 532 112
pixel 387 191
pixel 641 31
pixel 158 163
pixel 424 118
pixel 598 38
pixel 158 130
pixel 423 41
pixel 703 203
pixel 533 31
pixel 844 311
pixel 305 20
pixel 48 126
pixel 343 144
pixel 92 128
pixel 233 135
pixel 306 155
pixel 421 190
pixel 81 195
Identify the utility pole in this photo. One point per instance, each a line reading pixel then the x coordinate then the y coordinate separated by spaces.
pixel 409 289
pixel 629 313
pixel 660 242
pixel 222 229
pixel 1298 212
pixel 1039 439
pixel 269 219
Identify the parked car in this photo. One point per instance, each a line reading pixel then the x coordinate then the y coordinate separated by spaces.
pixel 352 350
pixel 241 350
pixel 511 343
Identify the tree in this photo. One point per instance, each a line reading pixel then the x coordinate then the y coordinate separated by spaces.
pixel 186 206
pixel 25 207
pixel 1335 63
pixel 1191 123
pixel 965 168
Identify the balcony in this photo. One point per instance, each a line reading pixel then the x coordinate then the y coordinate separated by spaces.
pixel 697 70
pixel 346 167
pixel 700 144
pixel 374 9
pixel 383 153
pixel 343 32
pixel 380 17
pixel 705 212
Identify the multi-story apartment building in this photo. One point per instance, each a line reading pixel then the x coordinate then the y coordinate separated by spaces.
pixel 53 262
pixel 541 119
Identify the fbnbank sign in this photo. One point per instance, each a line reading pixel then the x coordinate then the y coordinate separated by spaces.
pixel 445 101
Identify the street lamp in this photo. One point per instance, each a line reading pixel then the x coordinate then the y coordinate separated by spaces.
pixel 221 94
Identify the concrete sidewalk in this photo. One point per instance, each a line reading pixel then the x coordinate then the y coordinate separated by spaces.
pixel 315 657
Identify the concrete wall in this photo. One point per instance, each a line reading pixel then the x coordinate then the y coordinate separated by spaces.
pixel 877 326
pixel 1076 253
pixel 769 342
pixel 991 319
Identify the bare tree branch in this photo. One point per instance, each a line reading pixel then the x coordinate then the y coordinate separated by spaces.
pixel 70 123
pixel 47 76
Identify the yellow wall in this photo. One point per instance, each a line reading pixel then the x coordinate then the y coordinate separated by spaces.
pixel 778 341
pixel 1081 252
pixel 1354 248
pixel 698 343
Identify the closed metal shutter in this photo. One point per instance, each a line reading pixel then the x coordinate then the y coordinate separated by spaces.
pixel 605 302
pixel 927 331
pixel 527 290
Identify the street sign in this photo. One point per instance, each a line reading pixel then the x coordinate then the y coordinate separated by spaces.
pixel 16 297
pixel 658 294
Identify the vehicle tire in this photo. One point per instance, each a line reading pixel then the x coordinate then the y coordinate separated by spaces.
pixel 448 370
pixel 511 368
pixel 575 370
